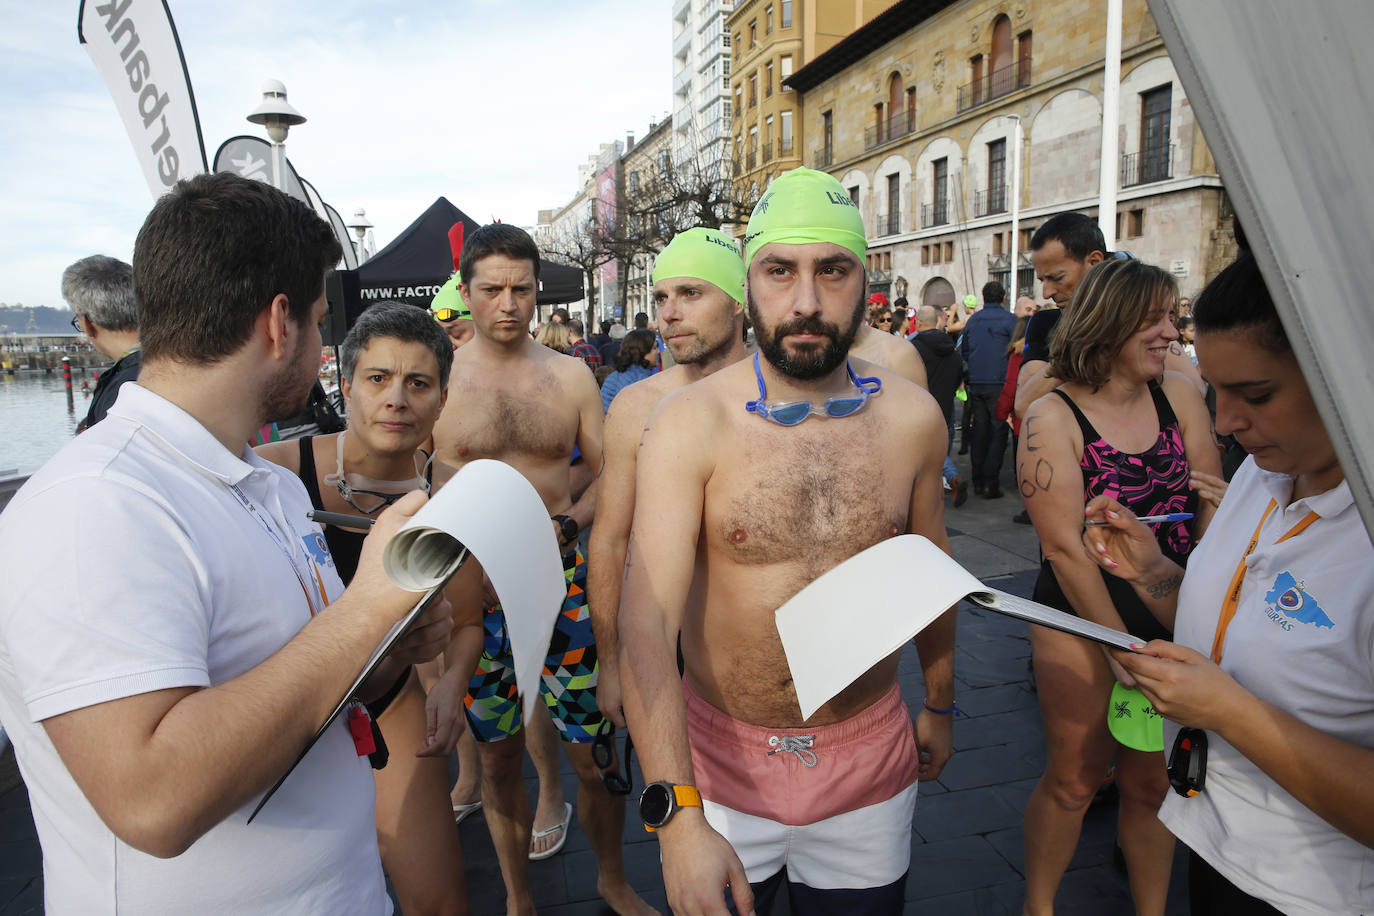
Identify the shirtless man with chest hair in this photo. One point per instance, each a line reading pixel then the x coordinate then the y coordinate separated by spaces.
pixel 516 401
pixel 743 498
pixel 699 290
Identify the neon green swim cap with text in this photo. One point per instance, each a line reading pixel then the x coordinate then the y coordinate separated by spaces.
pixel 705 254
pixel 801 207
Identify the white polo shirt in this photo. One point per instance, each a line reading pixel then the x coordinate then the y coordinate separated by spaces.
pixel 129 565
pixel 1302 640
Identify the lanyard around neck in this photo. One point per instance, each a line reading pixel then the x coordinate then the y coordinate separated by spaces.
pixel 290 557
pixel 1228 606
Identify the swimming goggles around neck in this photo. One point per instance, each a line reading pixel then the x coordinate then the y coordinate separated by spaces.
pixel 790 413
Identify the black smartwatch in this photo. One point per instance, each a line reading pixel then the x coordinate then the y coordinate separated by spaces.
pixel 661 800
pixel 568 525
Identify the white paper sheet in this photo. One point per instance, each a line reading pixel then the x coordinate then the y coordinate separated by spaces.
pixel 492 510
pixel 860 612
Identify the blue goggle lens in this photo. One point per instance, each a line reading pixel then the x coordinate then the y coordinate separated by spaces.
pixel 792 414
pixel 843 407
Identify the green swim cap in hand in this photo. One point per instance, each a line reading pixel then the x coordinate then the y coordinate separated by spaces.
pixel 1133 721
pixel 448 297
pixel 705 254
pixel 805 206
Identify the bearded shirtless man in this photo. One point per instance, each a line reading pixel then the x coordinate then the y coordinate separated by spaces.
pixel 516 401
pixel 699 290
pixel 734 514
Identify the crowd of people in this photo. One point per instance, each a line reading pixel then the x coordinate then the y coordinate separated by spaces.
pixel 775 421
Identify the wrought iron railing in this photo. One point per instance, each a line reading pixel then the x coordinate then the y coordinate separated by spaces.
pixel 899 125
pixel 889 223
pixel 935 214
pixel 823 157
pixel 996 84
pixel 993 200
pixel 785 147
pixel 750 160
pixel 768 151
pixel 1147 165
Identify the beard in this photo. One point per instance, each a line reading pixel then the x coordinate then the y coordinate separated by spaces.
pixel 288 393
pixel 811 362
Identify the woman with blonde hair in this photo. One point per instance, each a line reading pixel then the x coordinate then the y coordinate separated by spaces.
pixel 554 335
pixel 1119 426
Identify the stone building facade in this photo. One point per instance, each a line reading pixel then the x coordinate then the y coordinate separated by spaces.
pixel 769 40
pixel 921 107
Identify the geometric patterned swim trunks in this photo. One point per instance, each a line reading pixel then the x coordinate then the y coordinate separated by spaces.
pixel 568 681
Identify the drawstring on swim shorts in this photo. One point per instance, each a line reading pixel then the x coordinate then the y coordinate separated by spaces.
pixel 794 744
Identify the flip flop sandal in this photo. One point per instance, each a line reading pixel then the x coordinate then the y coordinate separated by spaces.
pixel 556 848
pixel 461 812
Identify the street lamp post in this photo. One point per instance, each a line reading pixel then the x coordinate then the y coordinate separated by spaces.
pixel 278 117
pixel 1015 287
pixel 360 224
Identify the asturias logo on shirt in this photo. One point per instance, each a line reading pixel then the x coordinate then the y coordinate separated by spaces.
pixel 316 547
pixel 1289 600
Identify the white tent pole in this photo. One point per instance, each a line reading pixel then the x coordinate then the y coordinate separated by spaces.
pixel 1111 97
pixel 1014 287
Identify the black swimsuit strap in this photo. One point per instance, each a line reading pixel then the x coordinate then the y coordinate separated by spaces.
pixel 307 472
pixel 1164 412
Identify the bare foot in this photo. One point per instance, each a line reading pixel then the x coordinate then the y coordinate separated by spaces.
pixel 621 898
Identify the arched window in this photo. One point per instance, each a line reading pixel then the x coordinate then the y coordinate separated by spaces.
pixel 999 66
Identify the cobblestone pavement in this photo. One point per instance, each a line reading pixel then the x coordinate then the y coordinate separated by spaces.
pixel 967 841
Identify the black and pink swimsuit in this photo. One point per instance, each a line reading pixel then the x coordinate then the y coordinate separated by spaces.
pixel 1152 482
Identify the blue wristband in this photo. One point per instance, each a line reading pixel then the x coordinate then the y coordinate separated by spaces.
pixel 953 710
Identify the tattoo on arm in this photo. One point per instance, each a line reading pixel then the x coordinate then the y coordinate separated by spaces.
pixel 1165 587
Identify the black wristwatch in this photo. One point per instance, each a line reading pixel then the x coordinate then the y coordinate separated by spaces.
pixel 661 800
pixel 569 527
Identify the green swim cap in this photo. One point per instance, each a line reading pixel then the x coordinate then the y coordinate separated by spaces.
pixel 970 301
pixel 706 254
pixel 1133 721
pixel 804 206
pixel 448 298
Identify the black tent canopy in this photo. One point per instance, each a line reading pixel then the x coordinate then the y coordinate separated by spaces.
pixel 419 261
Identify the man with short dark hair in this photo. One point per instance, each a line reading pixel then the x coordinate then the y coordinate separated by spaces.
pixel 984 345
pixel 742 497
pixel 581 348
pixel 528 405
pixel 155 690
pixel 641 320
pixel 100 292
pixel 944 371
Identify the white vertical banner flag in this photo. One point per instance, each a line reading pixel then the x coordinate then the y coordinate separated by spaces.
pixel 134 46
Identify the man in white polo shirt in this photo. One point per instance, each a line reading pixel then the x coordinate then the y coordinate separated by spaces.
pixel 172 628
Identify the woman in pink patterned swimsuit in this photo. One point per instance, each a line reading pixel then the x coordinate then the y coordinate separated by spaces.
pixel 1118 425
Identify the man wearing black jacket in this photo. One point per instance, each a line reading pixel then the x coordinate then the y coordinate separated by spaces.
pixel 944 369
pixel 100 291
pixel 984 345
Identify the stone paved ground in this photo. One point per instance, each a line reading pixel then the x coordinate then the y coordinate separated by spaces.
pixel 967 842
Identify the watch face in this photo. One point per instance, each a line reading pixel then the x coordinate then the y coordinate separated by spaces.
pixel 655 804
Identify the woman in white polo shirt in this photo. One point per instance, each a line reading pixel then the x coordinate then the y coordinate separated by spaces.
pixel 1272 667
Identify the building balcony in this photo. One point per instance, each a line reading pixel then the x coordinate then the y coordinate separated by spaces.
pixel 784 147
pixel 750 160
pixel 768 151
pixel 935 214
pixel 1147 166
pixel 680 10
pixel 996 84
pixel 993 200
pixel 889 223
pixel 682 43
pixel 899 125
pixel 823 157
pixel 682 82
pixel 683 115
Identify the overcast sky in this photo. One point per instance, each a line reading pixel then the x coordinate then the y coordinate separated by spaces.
pixel 490 103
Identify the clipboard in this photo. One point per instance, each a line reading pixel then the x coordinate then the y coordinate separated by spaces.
pixel 393 635
pixel 827 648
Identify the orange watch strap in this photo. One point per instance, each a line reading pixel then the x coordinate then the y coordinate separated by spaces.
pixel 687 796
